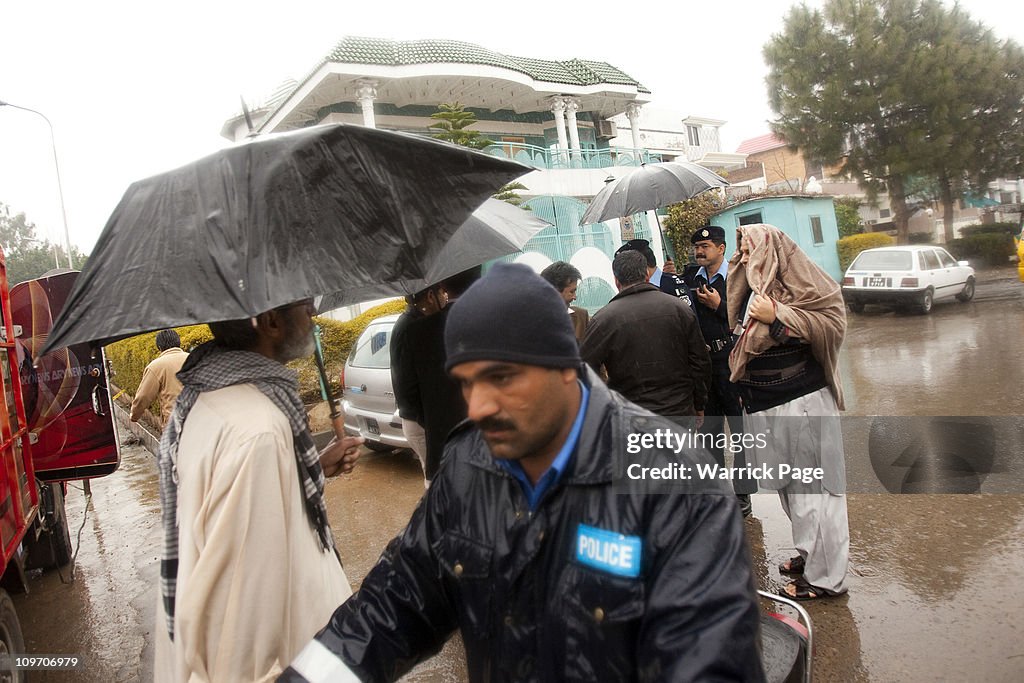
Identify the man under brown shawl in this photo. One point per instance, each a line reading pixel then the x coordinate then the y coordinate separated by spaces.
pixel 790 319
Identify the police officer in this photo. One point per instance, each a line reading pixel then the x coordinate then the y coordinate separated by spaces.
pixel 531 542
pixel 708 288
pixel 669 283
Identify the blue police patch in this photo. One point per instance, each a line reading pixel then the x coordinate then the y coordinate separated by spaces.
pixel 608 551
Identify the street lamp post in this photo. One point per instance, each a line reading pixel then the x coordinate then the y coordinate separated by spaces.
pixel 56 166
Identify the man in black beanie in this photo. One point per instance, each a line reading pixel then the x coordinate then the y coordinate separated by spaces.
pixel 530 540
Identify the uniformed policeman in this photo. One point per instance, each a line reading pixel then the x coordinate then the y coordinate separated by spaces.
pixel 527 541
pixel 669 283
pixel 708 288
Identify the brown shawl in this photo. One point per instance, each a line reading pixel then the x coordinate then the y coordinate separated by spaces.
pixel 808 301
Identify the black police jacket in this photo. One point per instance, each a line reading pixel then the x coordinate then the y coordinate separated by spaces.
pixel 714 323
pixel 596 584
pixel 674 285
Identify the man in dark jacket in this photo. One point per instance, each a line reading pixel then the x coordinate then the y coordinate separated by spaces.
pixel 439 399
pixel 404 381
pixel 708 288
pixel 533 541
pixel 650 345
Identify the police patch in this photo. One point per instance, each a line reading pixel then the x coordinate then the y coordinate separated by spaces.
pixel 608 551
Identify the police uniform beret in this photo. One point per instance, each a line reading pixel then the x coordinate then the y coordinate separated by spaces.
pixel 643 246
pixel 708 232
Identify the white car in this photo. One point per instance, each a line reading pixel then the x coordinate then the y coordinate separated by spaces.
pixel 369 399
pixel 916 276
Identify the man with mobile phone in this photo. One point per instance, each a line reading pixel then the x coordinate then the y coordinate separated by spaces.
pixel 713 315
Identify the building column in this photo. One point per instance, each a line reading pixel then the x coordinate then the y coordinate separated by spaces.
pixel 558 109
pixel 572 105
pixel 367 93
pixel 633 114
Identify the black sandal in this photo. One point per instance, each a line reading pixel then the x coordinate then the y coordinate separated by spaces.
pixel 796 566
pixel 806 592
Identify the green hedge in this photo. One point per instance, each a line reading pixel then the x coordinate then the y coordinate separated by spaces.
pixel 990 229
pixel 129 357
pixel 989 249
pixel 850 247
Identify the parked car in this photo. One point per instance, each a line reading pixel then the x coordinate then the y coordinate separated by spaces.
pixel 913 276
pixel 368 401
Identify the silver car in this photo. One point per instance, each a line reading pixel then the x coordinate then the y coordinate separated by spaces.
pixel 369 399
pixel 909 276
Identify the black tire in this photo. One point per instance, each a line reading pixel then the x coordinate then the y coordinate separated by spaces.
pixel 379 447
pixel 11 639
pixel 52 547
pixel 967 293
pixel 926 303
pixel 856 306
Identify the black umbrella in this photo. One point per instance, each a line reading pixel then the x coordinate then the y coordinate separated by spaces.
pixel 494 230
pixel 650 187
pixel 274 220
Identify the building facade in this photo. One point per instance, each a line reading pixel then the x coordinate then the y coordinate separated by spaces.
pixel 578 123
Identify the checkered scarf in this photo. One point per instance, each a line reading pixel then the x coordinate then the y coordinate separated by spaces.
pixel 211 367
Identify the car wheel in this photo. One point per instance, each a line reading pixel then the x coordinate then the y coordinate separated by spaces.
pixel 968 291
pixel 926 302
pixel 11 640
pixel 52 548
pixel 379 447
pixel 856 306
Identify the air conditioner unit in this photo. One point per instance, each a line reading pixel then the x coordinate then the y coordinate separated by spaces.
pixel 605 129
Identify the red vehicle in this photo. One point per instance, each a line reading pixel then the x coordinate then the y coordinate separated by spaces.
pixel 56 425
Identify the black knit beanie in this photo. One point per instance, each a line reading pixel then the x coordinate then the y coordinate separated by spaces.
pixel 514 315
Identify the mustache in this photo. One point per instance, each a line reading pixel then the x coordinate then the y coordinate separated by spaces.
pixel 494 424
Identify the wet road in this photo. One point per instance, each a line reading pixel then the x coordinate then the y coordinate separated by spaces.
pixel 937 580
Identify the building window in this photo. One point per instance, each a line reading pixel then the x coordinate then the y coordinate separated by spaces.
pixel 816 233
pixel 884 213
pixel 751 218
pixel 693 132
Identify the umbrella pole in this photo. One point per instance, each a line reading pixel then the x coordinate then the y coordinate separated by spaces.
pixel 661 233
pixel 325 388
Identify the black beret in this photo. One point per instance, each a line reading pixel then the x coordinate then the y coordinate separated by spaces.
pixel 643 246
pixel 708 232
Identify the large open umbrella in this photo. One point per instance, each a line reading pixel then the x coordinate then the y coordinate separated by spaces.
pixel 650 187
pixel 274 220
pixel 494 230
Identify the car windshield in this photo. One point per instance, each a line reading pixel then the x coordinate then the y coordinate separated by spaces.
pixel 373 348
pixel 883 260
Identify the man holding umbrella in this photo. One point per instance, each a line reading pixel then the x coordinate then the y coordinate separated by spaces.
pixel 238 233
pixel 249 571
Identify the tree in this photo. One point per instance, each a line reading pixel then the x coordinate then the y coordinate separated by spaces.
pixel 880 85
pixel 27 256
pixel 847 217
pixel 507 193
pixel 685 217
pixel 452 124
pixel 975 123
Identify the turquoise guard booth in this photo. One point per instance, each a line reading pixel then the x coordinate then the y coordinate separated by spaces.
pixel 810 220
